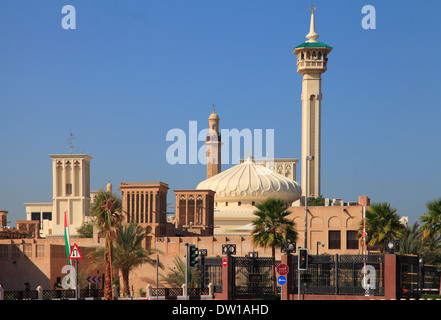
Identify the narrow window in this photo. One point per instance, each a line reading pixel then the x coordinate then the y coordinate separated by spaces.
pixel 334 239
pixel 351 239
pixel 68 188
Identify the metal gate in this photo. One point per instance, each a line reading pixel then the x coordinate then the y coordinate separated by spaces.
pixel 408 276
pixel 210 271
pixel 253 278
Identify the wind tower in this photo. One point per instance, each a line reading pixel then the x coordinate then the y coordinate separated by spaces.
pixel 71 191
pixel 312 60
pixel 213 144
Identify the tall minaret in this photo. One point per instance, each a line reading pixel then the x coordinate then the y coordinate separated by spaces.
pixel 213 146
pixel 312 58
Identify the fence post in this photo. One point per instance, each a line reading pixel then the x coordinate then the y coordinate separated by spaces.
pixel 210 289
pixel 40 292
pixel 390 276
pixel 149 291
pixel 287 288
pixel 227 278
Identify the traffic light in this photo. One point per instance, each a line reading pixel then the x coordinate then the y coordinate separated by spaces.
pixel 303 259
pixel 193 256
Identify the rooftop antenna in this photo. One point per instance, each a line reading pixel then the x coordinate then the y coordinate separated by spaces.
pixel 71 138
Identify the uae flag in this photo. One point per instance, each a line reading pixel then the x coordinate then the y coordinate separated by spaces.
pixel 66 236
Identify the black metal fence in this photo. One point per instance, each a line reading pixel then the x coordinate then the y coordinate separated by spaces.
pixel 21 295
pixel 326 275
pixel 340 275
pixel 176 292
pixel 53 294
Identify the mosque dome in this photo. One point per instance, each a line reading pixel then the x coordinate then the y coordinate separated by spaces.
pixel 250 182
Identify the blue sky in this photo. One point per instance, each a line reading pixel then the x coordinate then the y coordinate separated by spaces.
pixel 133 70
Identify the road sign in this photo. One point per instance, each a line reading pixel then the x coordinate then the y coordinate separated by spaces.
pixel 94 279
pixel 224 262
pixel 282 269
pixel 75 253
pixel 281 280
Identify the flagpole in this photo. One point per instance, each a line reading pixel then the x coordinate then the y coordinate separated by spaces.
pixel 66 237
pixel 364 247
pixel 364 225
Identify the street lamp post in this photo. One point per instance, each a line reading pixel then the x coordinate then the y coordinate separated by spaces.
pixel 320 243
pixel 308 158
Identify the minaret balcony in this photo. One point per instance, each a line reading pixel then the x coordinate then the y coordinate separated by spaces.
pixel 213 138
pixel 304 66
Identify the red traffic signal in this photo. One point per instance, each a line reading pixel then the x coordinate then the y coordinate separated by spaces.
pixel 303 259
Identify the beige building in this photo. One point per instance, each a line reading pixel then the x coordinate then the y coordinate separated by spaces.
pixel 194 211
pixel 145 203
pixel 41 212
pixel 71 193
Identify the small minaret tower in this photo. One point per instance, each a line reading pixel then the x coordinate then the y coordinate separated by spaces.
pixel 312 59
pixel 213 144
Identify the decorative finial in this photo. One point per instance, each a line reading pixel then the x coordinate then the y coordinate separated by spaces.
pixel 71 139
pixel 213 108
pixel 312 36
pixel 249 154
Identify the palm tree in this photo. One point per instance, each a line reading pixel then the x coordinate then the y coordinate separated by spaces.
pixel 412 241
pixel 382 223
pixel 108 216
pixel 432 219
pixel 129 253
pixel 176 276
pixel 271 228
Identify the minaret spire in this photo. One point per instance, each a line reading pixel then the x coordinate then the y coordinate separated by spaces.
pixel 312 36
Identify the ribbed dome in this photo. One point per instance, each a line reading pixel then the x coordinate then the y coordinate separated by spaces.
pixel 249 181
